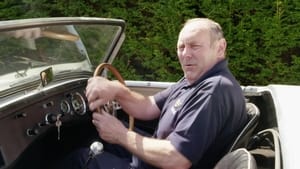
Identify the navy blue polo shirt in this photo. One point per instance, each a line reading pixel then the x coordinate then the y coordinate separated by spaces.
pixel 202 119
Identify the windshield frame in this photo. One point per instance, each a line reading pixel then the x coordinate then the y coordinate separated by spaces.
pixel 109 53
pixel 11 25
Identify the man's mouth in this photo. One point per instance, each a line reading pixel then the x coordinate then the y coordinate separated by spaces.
pixel 189 65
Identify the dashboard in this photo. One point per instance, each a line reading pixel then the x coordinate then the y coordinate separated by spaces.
pixel 49 118
pixel 41 127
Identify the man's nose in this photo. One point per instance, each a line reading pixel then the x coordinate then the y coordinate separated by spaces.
pixel 186 52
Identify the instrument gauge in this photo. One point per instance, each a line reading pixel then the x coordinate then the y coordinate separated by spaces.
pixel 78 103
pixel 65 107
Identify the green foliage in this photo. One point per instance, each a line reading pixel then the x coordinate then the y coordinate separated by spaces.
pixel 152 39
pixel 263 37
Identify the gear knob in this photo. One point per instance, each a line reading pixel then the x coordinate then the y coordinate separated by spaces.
pixel 96 148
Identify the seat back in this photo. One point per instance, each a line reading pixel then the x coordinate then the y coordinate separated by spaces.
pixel 265 148
pixel 243 138
pixel 239 159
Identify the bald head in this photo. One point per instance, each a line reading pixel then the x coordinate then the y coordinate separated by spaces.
pixel 200 24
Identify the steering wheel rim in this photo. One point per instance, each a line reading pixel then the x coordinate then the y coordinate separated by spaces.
pixel 59 36
pixel 117 75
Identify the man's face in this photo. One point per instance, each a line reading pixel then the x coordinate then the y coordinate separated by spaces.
pixel 196 53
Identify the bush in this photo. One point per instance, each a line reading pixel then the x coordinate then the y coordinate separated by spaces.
pixel 262 36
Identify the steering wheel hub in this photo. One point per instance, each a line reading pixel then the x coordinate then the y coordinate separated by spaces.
pixel 110 105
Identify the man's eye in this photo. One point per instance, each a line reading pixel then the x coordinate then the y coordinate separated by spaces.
pixel 196 46
pixel 180 48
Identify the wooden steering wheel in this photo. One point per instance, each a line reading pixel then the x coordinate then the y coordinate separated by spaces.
pixel 110 107
pixel 59 36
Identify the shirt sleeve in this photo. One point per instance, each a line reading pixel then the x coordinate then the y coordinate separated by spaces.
pixel 161 97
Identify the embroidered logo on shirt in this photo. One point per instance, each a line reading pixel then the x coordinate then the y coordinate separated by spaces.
pixel 177 104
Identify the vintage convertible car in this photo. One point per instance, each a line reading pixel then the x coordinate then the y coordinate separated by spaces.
pixel 44 67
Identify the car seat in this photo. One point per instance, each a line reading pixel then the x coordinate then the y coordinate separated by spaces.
pixel 238 159
pixel 243 138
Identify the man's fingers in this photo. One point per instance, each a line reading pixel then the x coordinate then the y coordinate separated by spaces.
pixel 90 94
pixel 105 111
pixel 94 105
pixel 91 88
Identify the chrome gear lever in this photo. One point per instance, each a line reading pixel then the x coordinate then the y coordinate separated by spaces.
pixel 95 149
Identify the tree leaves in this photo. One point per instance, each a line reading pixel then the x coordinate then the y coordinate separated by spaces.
pixel 263 36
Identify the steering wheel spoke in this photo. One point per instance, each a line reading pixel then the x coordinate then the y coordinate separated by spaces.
pixel 112 106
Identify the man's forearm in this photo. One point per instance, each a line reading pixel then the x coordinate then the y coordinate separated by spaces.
pixel 136 104
pixel 160 153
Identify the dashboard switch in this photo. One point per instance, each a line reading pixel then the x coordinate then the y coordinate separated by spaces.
pixel 50 118
pixel 20 115
pixel 32 132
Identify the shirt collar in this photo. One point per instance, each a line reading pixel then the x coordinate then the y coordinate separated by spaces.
pixel 220 66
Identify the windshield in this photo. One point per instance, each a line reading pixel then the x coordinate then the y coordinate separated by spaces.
pixel 25 53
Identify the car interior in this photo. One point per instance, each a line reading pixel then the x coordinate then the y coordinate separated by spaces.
pixel 263 142
pixel 45 116
pixel 30 137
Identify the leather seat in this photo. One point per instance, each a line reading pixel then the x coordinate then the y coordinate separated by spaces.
pixel 243 138
pixel 239 159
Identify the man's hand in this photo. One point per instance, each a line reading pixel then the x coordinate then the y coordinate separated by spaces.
pixel 100 90
pixel 30 33
pixel 109 128
pixel 158 152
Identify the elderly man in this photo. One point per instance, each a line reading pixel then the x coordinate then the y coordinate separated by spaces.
pixel 199 116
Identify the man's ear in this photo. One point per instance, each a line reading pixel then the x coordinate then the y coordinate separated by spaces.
pixel 222 44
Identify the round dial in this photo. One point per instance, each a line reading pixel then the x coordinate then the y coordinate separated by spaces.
pixel 78 104
pixel 65 107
